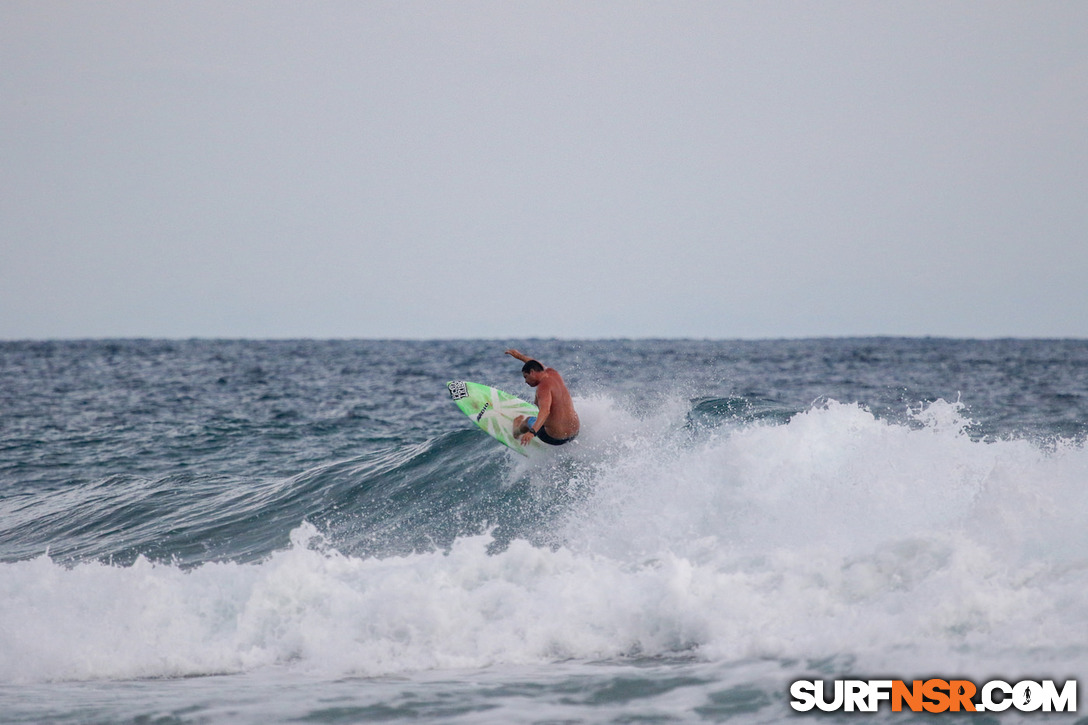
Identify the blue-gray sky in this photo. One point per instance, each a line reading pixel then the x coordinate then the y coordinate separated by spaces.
pixel 519 169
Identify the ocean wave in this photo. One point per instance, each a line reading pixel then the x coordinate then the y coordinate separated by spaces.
pixel 833 534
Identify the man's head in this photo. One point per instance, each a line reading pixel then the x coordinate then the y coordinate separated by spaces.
pixel 531 372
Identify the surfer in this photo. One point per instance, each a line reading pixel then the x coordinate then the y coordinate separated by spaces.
pixel 556 422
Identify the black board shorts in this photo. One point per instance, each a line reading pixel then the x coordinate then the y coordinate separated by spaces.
pixel 543 437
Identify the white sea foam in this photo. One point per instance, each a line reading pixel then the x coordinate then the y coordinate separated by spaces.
pixel 838 536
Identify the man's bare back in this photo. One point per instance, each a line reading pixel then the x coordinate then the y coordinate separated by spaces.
pixel 557 422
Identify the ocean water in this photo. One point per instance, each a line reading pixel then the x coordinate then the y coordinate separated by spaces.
pixel 309 531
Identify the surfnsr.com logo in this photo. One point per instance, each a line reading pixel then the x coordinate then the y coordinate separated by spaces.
pixel 934 695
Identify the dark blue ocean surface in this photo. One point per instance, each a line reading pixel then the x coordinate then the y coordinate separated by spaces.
pixel 236 531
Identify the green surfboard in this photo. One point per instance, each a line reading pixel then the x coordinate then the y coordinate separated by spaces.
pixel 493 411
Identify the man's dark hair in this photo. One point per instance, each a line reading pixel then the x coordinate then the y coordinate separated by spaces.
pixel 531 366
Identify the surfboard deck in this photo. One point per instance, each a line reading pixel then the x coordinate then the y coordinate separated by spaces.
pixel 494 412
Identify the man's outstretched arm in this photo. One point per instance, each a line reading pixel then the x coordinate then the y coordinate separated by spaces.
pixel 519 355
